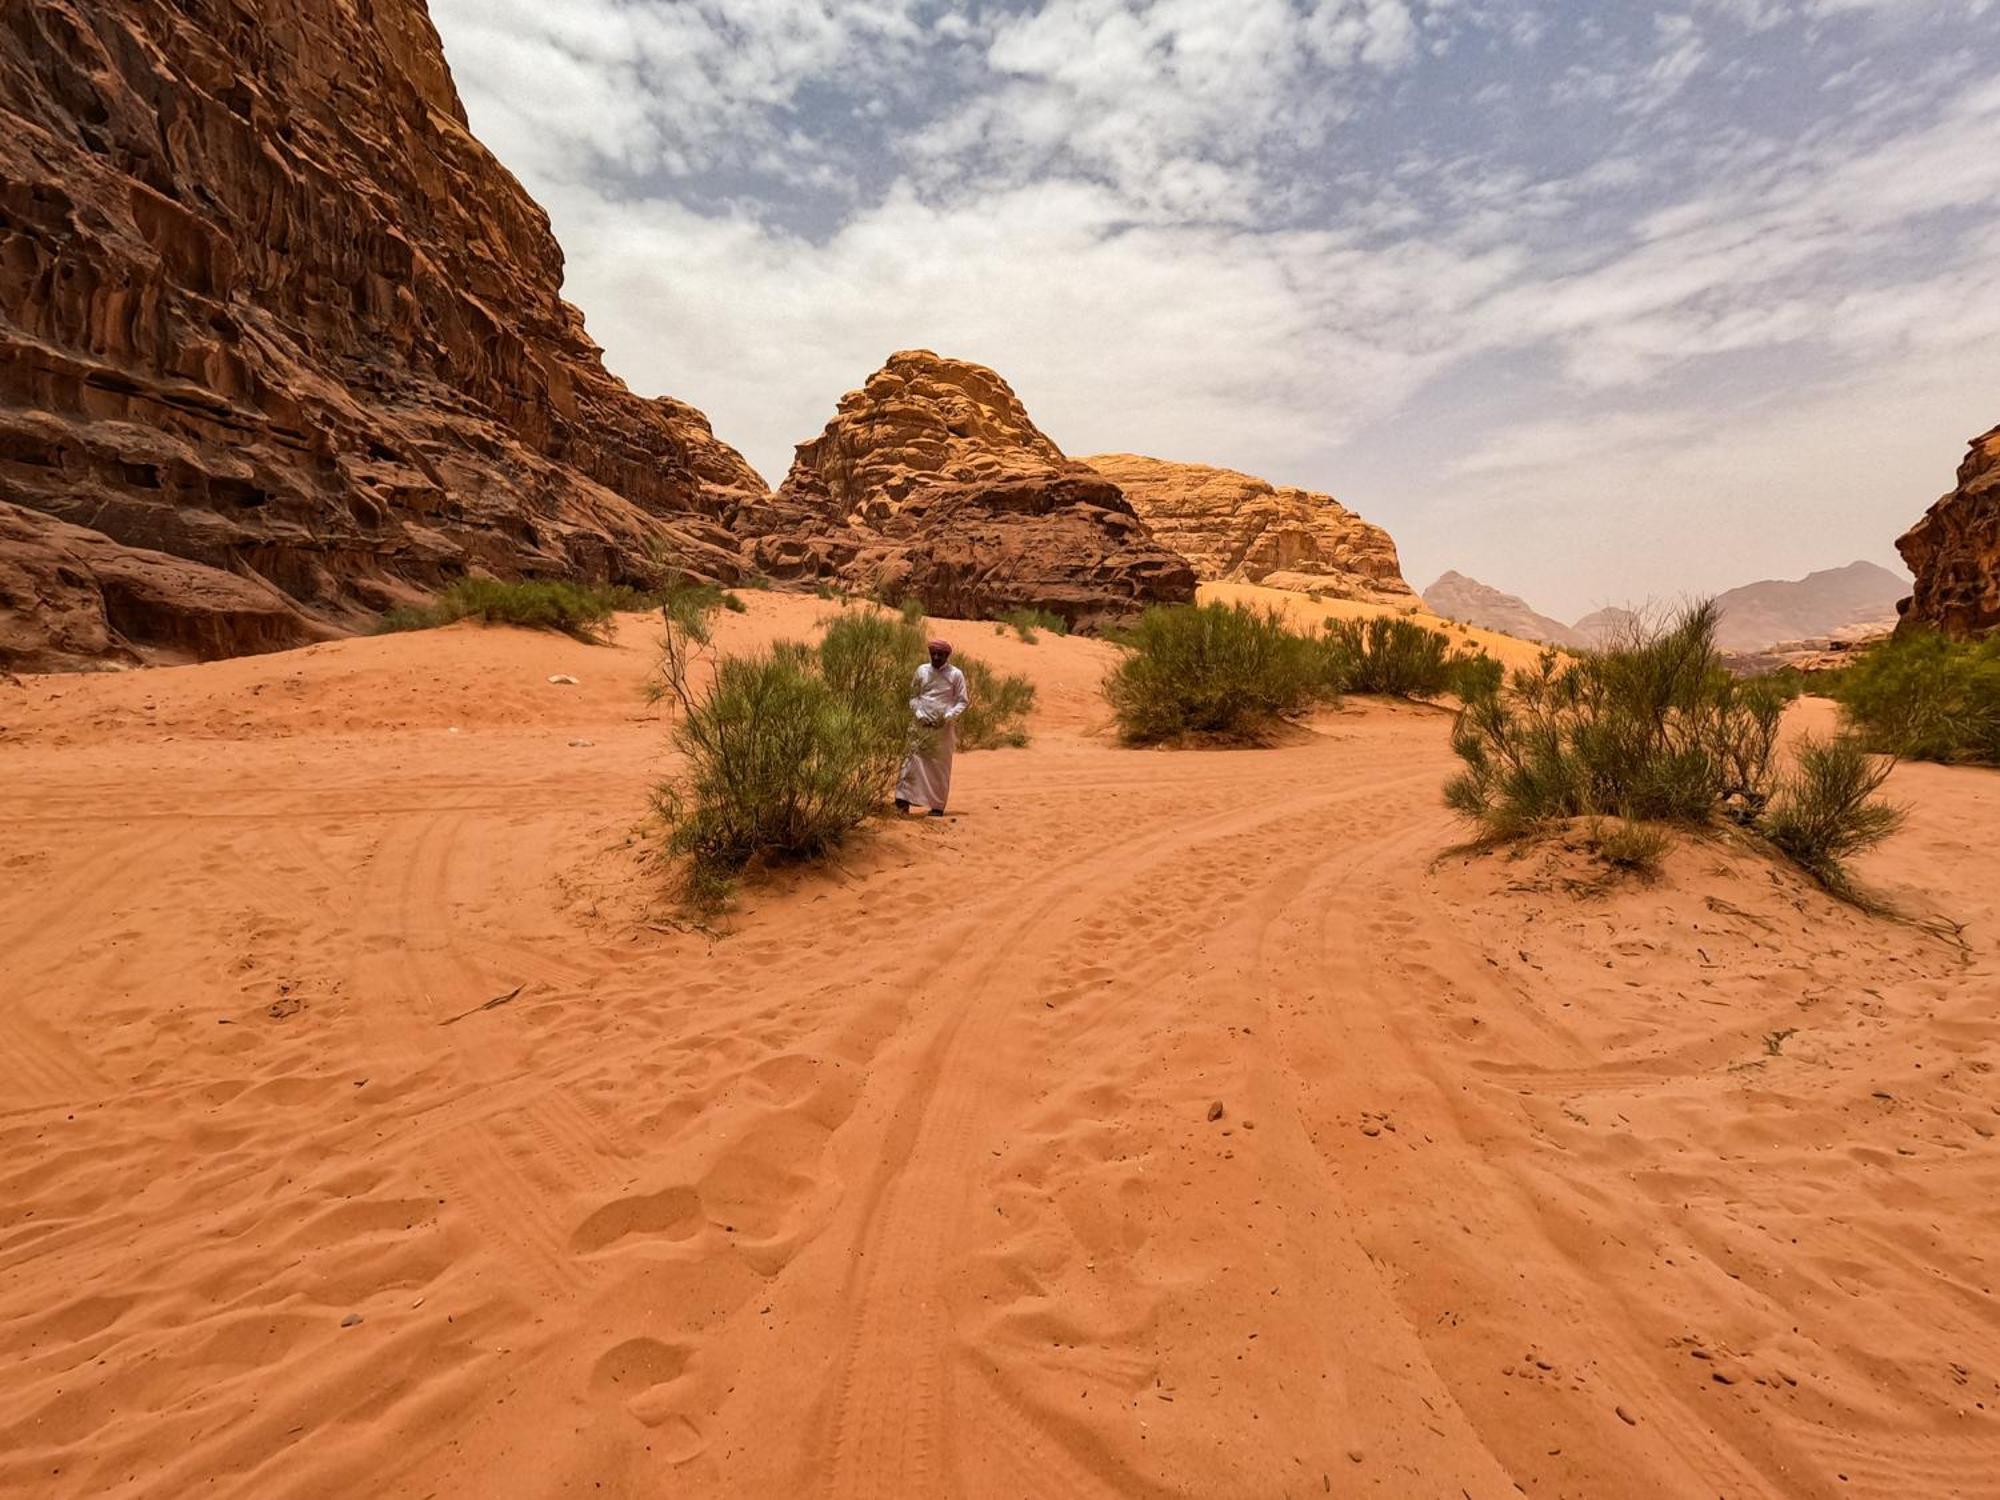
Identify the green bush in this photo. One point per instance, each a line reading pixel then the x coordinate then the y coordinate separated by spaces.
pixel 778 766
pixel 1653 730
pixel 1395 657
pixel 582 610
pixel 1027 622
pixel 1825 811
pixel 1631 845
pixel 868 658
pixel 1926 698
pixel 996 715
pixel 788 750
pixel 1216 671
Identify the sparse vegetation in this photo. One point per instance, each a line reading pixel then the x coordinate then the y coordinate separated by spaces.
pixel 997 716
pixel 1826 810
pixel 1214 671
pixel 582 610
pixel 1027 623
pixel 1631 846
pixel 1655 731
pixel 1924 697
pixel 1396 657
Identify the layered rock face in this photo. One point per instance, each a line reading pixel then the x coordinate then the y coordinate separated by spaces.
pixel 1237 528
pixel 1954 551
pixel 71 598
pixel 1458 597
pixel 931 482
pixel 266 306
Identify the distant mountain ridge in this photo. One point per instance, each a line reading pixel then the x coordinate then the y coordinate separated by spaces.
pixel 1458 597
pixel 1753 617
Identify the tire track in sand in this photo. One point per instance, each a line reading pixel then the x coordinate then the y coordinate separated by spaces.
pixel 894 1394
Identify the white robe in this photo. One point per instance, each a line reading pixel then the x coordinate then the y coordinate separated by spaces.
pixel 938 698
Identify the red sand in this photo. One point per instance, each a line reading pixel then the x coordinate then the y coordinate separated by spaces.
pixel 908 1185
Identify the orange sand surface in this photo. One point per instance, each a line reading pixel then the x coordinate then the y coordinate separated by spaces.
pixel 908 1184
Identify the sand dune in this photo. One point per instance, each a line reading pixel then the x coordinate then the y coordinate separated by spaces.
pixel 366 1127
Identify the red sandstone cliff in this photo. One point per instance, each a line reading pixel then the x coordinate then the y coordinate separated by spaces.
pixel 268 308
pixel 931 482
pixel 1954 551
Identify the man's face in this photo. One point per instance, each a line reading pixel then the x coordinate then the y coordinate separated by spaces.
pixel 939 658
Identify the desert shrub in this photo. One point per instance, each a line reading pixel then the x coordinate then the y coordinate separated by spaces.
pixel 1399 658
pixel 1219 671
pixel 1825 811
pixel 1650 730
pixel 1026 623
pixel 1926 698
pixel 1654 729
pixel 1474 673
pixel 867 658
pixel 582 610
pixel 778 766
pixel 913 612
pixel 786 751
pixel 1630 845
pixel 997 715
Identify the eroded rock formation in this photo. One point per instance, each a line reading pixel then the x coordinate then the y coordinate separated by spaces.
pixel 1954 551
pixel 1240 529
pixel 267 306
pixel 73 598
pixel 931 482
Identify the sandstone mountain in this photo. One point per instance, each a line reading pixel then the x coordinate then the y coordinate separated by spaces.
pixel 1458 597
pixel 1819 605
pixel 1954 551
pixel 931 482
pixel 267 307
pixel 1236 528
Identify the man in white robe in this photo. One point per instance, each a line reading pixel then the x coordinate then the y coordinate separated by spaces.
pixel 938 698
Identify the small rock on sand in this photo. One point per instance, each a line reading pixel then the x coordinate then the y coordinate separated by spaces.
pixel 1215 1110
pixel 562 679
pixel 350 1320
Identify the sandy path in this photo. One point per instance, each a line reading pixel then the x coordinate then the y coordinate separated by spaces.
pixel 909 1185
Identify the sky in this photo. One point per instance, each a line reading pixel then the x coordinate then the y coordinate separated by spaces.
pixel 1603 303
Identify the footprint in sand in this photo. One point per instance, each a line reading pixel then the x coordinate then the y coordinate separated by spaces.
pixel 648 1374
pixel 673 1213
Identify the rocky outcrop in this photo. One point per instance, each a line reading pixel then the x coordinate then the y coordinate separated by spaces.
pixel 931 482
pixel 1236 528
pixel 1808 657
pixel 1954 551
pixel 267 306
pixel 1471 602
pixel 72 598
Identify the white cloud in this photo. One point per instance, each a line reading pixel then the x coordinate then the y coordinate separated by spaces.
pixel 1348 243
